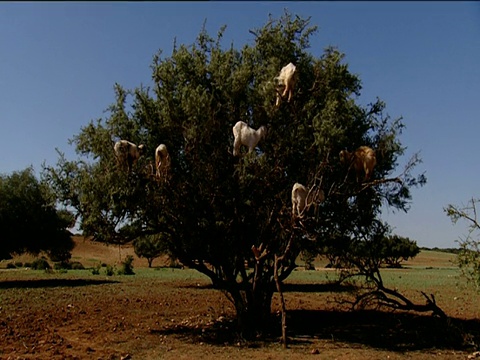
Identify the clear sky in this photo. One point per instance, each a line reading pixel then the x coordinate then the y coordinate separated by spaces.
pixel 59 62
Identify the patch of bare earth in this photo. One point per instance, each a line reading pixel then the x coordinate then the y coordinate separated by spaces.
pixel 121 317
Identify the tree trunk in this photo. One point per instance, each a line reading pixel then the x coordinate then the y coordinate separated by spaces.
pixel 253 312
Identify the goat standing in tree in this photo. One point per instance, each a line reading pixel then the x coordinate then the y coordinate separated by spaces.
pixel 162 161
pixel 363 160
pixel 302 198
pixel 245 135
pixel 127 153
pixel 286 79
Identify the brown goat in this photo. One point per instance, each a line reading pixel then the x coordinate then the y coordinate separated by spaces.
pixel 363 160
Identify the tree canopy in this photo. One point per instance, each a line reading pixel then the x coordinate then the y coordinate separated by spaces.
pixel 468 257
pixel 29 220
pixel 216 207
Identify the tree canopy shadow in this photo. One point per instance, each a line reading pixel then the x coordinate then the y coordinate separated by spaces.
pixel 394 331
pixel 391 331
pixel 334 287
pixel 48 283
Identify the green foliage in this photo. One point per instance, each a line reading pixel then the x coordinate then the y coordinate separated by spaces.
pixel 76 265
pixel 67 265
pixel 29 221
pixel 308 258
pixel 126 267
pixel 150 247
pixel 110 270
pixel 40 264
pixel 96 270
pixel 396 249
pixel 212 208
pixel 468 257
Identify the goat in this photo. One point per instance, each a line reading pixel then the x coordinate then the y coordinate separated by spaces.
pixel 245 135
pixel 363 160
pixel 127 153
pixel 286 79
pixel 162 160
pixel 302 198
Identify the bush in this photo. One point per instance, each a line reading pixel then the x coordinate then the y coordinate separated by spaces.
pixel 96 270
pixel 127 266
pixel 18 264
pixel 11 266
pixel 40 264
pixel 62 265
pixel 110 270
pixel 76 265
pixel 66 265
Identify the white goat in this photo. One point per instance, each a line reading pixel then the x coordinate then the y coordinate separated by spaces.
pixel 302 198
pixel 287 79
pixel 245 135
pixel 127 153
pixel 363 160
pixel 162 160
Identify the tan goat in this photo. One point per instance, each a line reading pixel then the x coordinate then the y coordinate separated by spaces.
pixel 162 160
pixel 363 160
pixel 302 198
pixel 127 153
pixel 286 80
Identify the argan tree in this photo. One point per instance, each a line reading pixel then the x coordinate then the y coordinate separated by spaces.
pixel 396 249
pixel 29 220
pixel 220 211
pixel 468 258
pixel 150 247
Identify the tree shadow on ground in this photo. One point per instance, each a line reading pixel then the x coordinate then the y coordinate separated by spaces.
pixel 304 288
pixel 318 288
pixel 391 331
pixel 48 283
pixel 394 331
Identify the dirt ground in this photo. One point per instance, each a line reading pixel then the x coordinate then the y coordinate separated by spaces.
pixel 122 317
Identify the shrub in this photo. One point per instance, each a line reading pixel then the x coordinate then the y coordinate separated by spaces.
pixel 62 265
pixel 96 270
pixel 110 270
pixel 11 266
pixel 76 265
pixel 127 266
pixel 40 264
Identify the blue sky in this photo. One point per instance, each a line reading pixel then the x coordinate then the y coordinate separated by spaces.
pixel 59 62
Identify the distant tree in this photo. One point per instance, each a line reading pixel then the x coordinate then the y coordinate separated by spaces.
pixel 150 247
pixel 222 211
pixel 468 257
pixel 126 267
pixel 396 249
pixel 29 220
